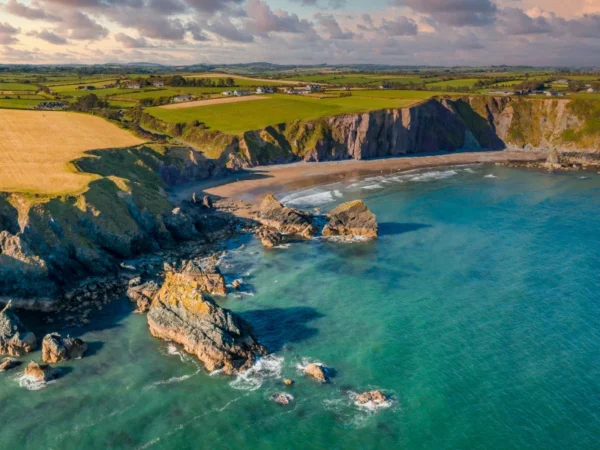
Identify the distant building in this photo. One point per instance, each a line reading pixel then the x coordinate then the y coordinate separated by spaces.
pixel 313 88
pixel 241 93
pixel 183 98
pixel 86 88
pixel 385 85
pixel 591 90
pixel 133 86
pixel 291 91
pixel 227 93
pixel 158 83
pixel 265 90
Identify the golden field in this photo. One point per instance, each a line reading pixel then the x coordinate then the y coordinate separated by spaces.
pixel 37 148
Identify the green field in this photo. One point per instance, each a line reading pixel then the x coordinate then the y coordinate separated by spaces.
pixel 239 82
pixel 139 95
pixel 18 103
pixel 461 82
pixel 73 87
pixel 236 118
pixel 359 79
pixel 18 87
pixel 391 94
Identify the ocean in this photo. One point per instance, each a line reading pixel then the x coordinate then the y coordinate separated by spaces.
pixel 477 311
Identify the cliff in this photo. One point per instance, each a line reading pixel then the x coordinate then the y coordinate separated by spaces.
pixel 440 124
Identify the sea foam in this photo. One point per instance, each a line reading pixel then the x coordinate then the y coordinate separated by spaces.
pixel 265 368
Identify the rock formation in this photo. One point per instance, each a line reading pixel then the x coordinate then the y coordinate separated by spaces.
pixel 142 294
pixel 375 398
pixel 351 219
pixel 285 220
pixel 205 275
pixel 8 364
pixel 318 371
pixel 283 398
pixel 40 372
pixel 15 340
pixel 268 237
pixel 182 313
pixel 55 348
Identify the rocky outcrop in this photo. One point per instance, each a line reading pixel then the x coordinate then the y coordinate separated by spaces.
pixel 283 398
pixel 56 348
pixel 8 364
pixel 287 221
pixel 142 293
pixel 268 237
pixel 15 340
pixel 205 276
pixel 41 373
pixel 318 371
pixel 372 398
pixel 351 219
pixel 221 340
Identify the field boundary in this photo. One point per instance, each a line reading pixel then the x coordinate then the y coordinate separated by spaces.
pixel 215 101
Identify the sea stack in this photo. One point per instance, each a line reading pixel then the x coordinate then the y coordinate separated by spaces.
pixel 15 340
pixel 287 221
pixel 352 219
pixel 56 348
pixel 182 313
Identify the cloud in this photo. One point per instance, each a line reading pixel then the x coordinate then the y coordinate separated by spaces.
pixel 517 22
pixel 331 27
pixel 131 42
pixel 8 33
pixel 330 4
pixel 400 26
pixel 261 19
pixel 18 9
pixel 79 26
pixel 49 36
pixel 456 13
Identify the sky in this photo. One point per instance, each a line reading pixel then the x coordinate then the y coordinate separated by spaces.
pixel 394 32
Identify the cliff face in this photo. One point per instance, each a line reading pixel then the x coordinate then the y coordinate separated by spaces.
pixel 440 124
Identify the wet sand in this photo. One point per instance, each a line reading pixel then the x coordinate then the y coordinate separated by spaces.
pixel 253 184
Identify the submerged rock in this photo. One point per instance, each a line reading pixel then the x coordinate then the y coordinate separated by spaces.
pixel 268 237
pixel 318 371
pixel 220 339
pixel 15 340
pixel 351 219
pixel 288 382
pixel 143 294
pixel 8 364
pixel 55 348
pixel 40 372
pixel 375 398
pixel 285 220
pixel 283 398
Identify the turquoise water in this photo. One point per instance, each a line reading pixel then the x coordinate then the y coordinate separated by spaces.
pixel 477 309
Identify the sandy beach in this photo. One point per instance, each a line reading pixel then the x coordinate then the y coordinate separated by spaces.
pixel 253 184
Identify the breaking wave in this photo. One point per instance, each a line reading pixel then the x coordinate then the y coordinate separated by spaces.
pixel 265 368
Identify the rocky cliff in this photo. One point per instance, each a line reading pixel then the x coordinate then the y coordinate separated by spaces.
pixel 440 124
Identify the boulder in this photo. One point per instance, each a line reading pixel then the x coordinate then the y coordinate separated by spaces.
pixel 282 398
pixel 268 237
pixel 317 371
pixel 143 294
pixel 288 382
pixel 237 285
pixel 372 398
pixel 351 219
pixel 220 339
pixel 15 340
pixel 207 202
pixel 285 220
pixel 40 372
pixel 55 348
pixel 8 364
pixel 205 275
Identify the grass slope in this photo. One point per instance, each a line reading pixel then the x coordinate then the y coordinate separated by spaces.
pixel 236 118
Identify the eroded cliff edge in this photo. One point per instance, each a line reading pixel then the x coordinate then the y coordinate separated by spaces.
pixel 439 124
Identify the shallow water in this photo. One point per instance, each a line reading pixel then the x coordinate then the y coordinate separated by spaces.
pixel 477 309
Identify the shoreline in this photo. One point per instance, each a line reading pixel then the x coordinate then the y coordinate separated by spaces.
pixel 252 185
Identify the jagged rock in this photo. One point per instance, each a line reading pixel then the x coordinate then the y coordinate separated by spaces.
pixel 237 284
pixel 207 202
pixel 351 219
pixel 206 276
pixel 183 314
pixel 373 397
pixel 285 220
pixel 55 348
pixel 317 371
pixel 40 372
pixel 15 340
pixel 283 398
pixel 181 225
pixel 8 364
pixel 143 294
pixel 268 237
